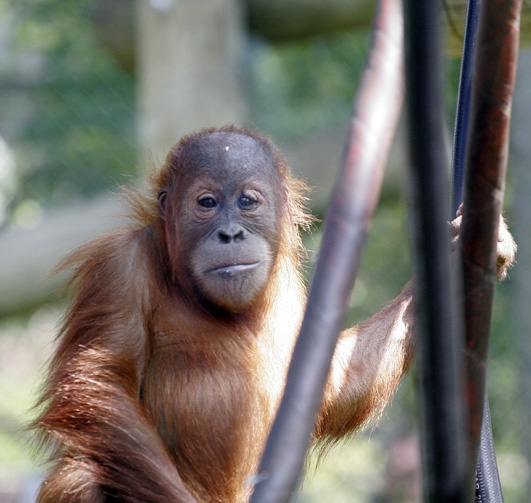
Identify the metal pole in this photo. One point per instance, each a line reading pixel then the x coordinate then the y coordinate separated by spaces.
pixel 439 336
pixel 354 199
pixel 486 165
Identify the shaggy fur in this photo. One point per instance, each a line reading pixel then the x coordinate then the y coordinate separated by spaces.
pixel 155 395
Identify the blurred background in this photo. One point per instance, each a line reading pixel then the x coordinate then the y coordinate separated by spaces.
pixel 92 92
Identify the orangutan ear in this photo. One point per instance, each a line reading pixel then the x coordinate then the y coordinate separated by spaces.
pixel 163 193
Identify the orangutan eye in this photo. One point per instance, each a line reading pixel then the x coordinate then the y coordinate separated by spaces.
pixel 247 202
pixel 207 202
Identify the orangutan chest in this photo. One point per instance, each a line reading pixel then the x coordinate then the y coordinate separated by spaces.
pixel 202 407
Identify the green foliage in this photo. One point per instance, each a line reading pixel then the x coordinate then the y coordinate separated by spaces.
pixel 306 86
pixel 67 109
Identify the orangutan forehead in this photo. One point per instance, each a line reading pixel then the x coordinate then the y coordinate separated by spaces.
pixel 227 153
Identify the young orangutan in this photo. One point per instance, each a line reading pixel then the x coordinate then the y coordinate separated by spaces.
pixel 173 355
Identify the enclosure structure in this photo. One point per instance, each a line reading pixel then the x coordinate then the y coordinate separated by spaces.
pixel 453 306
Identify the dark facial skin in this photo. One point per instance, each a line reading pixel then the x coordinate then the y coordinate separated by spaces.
pixel 228 212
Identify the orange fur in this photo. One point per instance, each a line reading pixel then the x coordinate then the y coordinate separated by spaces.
pixel 154 396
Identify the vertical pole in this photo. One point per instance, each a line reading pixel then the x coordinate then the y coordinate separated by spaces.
pixel 462 118
pixel 440 378
pixel 486 165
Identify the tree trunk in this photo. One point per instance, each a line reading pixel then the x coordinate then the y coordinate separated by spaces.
pixel 190 58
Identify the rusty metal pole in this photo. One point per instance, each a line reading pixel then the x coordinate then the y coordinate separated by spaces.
pixel 486 165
